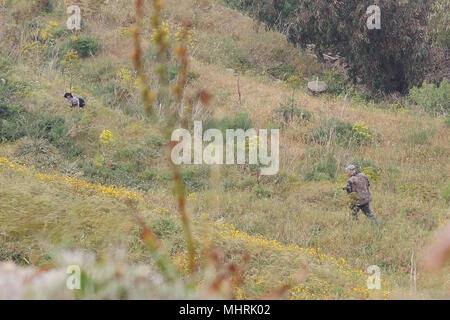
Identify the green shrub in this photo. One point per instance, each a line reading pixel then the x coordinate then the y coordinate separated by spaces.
pixel 119 174
pixel 11 90
pixel 336 82
pixel 315 176
pixel 289 111
pixel 155 141
pixel 85 47
pixel 239 60
pixel 173 71
pixel 260 192
pixel 282 71
pixel 433 99
pixel 149 174
pixel 447 122
pixel 10 111
pixel 420 137
pixel 340 130
pixel 360 164
pixel 324 170
pixel 247 182
pixel 58 32
pixel 240 120
pixel 166 226
pixel 195 179
pixel 16 123
pixel 11 122
pixel 445 193
pixel 51 128
pixel 44 5
pixel 228 186
pixel 11 130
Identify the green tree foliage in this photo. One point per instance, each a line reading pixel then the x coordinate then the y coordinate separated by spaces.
pixel 388 59
pixel 439 22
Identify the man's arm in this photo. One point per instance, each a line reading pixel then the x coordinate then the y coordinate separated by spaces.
pixel 368 182
pixel 348 187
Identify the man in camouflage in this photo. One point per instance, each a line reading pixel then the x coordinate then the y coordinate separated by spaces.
pixel 359 184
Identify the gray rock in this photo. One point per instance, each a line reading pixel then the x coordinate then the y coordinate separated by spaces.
pixel 317 86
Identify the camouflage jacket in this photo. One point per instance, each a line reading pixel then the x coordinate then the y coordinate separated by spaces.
pixel 359 183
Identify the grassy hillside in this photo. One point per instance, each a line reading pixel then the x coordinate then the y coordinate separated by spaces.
pixel 63 188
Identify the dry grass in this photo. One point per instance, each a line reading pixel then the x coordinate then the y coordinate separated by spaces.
pixel 407 199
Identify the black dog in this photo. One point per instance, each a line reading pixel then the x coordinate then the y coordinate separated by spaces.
pixel 74 101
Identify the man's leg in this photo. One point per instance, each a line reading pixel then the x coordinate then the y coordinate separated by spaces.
pixel 355 210
pixel 366 210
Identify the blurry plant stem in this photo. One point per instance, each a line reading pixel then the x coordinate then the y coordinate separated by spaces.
pixel 164 96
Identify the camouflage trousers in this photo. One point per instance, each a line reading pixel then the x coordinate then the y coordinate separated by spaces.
pixel 365 209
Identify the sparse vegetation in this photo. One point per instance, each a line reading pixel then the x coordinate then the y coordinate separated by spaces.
pixel 431 98
pixel 95 184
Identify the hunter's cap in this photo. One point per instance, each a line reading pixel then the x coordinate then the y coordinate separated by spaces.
pixel 350 167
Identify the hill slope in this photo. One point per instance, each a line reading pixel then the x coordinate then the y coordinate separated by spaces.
pixel 60 204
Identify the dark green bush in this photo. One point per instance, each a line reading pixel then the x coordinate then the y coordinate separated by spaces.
pixel 282 71
pixel 51 128
pixel 11 126
pixel 339 130
pixel 16 123
pixel 166 226
pixel 10 90
pixel 336 82
pixel 290 111
pixel 325 169
pixel 122 174
pixel 260 192
pixel 239 121
pixel 85 47
pixel 155 141
pixel 11 130
pixel 195 179
pixel 10 111
pixel 58 32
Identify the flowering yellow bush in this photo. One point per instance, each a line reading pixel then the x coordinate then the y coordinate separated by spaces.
pixel 124 76
pixel 372 174
pixel 45 32
pixel 33 49
pixel 361 132
pixel 106 138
